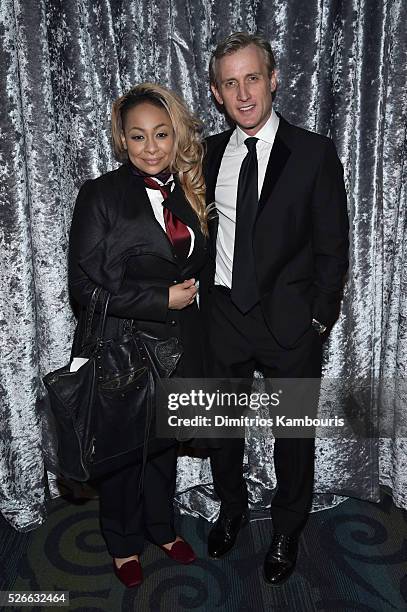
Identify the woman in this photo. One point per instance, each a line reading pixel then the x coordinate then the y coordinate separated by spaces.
pixel 140 233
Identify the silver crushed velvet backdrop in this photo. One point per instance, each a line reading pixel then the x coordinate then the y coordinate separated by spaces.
pixel 342 71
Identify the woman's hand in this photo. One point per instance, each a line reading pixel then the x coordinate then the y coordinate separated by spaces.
pixel 182 295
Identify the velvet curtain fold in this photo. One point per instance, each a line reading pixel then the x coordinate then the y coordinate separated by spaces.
pixel 342 68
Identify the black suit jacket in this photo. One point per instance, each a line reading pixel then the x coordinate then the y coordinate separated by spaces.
pixel 300 237
pixel 117 243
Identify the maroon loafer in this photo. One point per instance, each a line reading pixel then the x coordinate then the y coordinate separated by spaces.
pixel 129 573
pixel 180 551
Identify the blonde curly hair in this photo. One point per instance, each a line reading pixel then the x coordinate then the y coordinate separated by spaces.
pixel 189 151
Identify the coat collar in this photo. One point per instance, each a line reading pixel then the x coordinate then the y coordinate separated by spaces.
pixel 279 155
pixel 278 158
pixel 213 160
pixel 176 202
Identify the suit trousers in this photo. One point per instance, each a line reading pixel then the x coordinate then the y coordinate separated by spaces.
pixel 240 344
pixel 125 520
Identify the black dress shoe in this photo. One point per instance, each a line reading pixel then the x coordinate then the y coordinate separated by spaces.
pixel 223 534
pixel 280 560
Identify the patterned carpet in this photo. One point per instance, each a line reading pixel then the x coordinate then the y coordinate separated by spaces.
pixel 352 557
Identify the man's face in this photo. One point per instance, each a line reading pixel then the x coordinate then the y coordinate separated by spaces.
pixel 245 88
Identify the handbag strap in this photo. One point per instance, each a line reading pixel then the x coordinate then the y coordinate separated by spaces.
pixel 102 321
pixel 90 313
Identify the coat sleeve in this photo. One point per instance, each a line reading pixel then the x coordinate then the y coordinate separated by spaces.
pixel 330 236
pixel 89 229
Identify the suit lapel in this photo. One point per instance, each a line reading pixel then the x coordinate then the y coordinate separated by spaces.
pixel 278 158
pixel 154 234
pixel 149 233
pixel 213 161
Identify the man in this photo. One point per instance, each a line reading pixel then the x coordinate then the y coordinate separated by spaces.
pixel 274 287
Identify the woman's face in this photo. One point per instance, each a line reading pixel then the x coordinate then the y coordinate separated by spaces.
pixel 149 138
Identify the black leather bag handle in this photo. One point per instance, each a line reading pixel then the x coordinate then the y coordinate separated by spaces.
pixel 90 313
pixel 102 321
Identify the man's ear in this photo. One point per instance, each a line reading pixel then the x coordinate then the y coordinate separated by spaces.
pixel 273 81
pixel 217 95
pixel 123 141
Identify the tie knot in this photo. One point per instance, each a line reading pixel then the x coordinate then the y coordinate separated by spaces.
pixel 251 143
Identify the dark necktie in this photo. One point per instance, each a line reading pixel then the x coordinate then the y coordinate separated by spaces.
pixel 177 231
pixel 245 293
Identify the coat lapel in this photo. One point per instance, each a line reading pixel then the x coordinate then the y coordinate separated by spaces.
pixel 178 205
pixel 143 232
pixel 213 160
pixel 278 158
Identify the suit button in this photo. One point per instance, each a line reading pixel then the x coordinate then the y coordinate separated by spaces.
pixel 175 256
pixel 173 322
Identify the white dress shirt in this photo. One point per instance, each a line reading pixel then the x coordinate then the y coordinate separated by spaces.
pixel 226 191
pixel 156 200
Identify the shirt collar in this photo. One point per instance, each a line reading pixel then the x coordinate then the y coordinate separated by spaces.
pixel 157 180
pixel 266 134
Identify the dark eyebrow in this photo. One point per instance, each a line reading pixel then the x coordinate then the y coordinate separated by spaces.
pixel 135 127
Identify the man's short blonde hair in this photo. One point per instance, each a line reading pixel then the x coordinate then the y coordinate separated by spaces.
pixel 236 41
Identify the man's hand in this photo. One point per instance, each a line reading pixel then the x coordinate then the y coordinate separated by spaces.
pixel 182 295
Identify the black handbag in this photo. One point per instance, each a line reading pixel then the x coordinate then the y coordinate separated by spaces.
pixel 105 411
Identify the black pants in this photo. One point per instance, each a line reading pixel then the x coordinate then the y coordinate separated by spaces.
pixel 240 344
pixel 126 521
